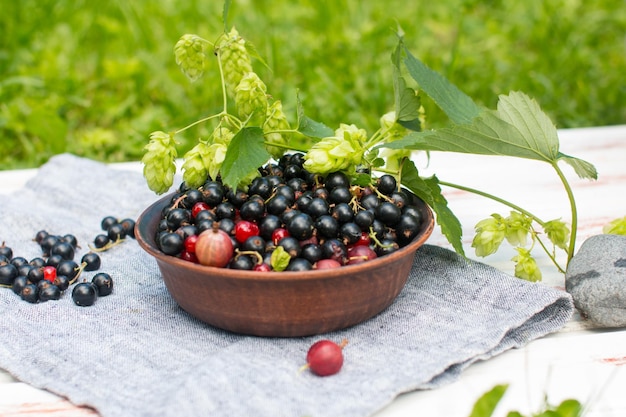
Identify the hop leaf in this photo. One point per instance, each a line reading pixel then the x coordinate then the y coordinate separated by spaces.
pixel 159 167
pixel 489 235
pixel 276 120
pixel 251 98
pixel 526 266
pixel 517 228
pixel 189 53
pixel 342 152
pixel 557 232
pixel 231 50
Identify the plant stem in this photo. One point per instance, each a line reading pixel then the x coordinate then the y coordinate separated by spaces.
pixel 493 197
pixel 572 203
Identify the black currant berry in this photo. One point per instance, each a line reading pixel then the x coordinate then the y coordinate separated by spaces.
pixel 37 262
pixel 340 195
pixel 387 246
pixel 103 283
pixel 386 184
pixel 349 233
pixel 311 252
pixel 129 227
pixel 301 226
pixel 19 283
pixel 71 239
pixel 101 240
pixel 342 212
pixel 254 243
pixel 49 292
pixel 369 202
pixel 107 222
pixel 213 193
pixel 116 231
pixel 326 226
pixel 277 204
pixel 388 213
pixel 61 281
pixel 291 245
pixel 364 218
pixel 30 293
pixel 84 294
pixel 225 210
pixel 171 243
pixel 6 251
pixel 407 228
pixel 252 210
pixel 91 261
pixel 64 249
pixel 317 207
pixel 35 275
pixel 68 268
pixel 175 218
pixel 299 264
pixel 242 262
pixel 8 273
pixel 267 225
pixel 334 249
pixel 337 179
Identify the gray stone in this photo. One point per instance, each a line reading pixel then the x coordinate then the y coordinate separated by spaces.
pixel 596 279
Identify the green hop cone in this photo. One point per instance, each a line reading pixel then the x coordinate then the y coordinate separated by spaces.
pixel 215 156
pixel 194 167
pixel 526 266
pixel 158 159
pixel 557 232
pixel 490 233
pixel 232 53
pixel 251 99
pixel 222 135
pixel 190 57
pixel 517 228
pixel 276 120
pixel 615 227
pixel 342 152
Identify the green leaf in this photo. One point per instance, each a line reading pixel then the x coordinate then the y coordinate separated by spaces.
pixel 225 15
pixel 487 134
pixel 428 189
pixel 279 259
pixel 514 414
pixel 310 127
pixel 532 125
pixel 246 153
pixel 459 107
pixel 582 168
pixel 406 101
pixel 487 403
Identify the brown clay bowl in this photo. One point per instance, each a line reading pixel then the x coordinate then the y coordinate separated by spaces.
pixel 282 304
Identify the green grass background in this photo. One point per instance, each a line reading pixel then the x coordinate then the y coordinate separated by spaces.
pixel 96 77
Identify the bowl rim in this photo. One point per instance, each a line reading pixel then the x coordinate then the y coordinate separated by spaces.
pixel 313 274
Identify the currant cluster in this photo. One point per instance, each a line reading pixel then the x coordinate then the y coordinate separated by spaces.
pixel 115 231
pixel 289 219
pixel 47 277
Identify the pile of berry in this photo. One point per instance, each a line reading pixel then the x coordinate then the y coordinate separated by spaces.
pixel 289 219
pixel 47 277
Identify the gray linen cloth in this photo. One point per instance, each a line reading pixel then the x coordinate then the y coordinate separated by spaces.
pixel 136 353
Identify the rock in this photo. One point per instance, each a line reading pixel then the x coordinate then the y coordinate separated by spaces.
pixel 596 279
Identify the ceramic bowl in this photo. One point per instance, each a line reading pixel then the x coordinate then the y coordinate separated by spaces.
pixel 282 304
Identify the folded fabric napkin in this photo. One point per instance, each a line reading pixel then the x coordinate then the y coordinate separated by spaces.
pixel 136 353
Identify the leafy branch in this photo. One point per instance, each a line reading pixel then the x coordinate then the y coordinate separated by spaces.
pixel 517 127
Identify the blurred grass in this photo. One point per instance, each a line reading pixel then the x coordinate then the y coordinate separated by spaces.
pixel 95 78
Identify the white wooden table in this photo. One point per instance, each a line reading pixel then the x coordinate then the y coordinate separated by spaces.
pixel 578 362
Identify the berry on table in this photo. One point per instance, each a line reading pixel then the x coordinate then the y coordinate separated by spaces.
pixel 325 357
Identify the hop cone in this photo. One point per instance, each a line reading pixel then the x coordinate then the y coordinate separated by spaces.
pixel 189 53
pixel 159 167
pixel 490 233
pixel 251 98
pixel 342 152
pixel 557 232
pixel 222 135
pixel 214 159
pixel 276 120
pixel 231 50
pixel 526 266
pixel 194 168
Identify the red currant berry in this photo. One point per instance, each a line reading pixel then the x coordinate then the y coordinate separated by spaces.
pixel 198 207
pixel 190 243
pixel 364 240
pixel 279 234
pixel 49 273
pixel 245 229
pixel 189 257
pixel 262 267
